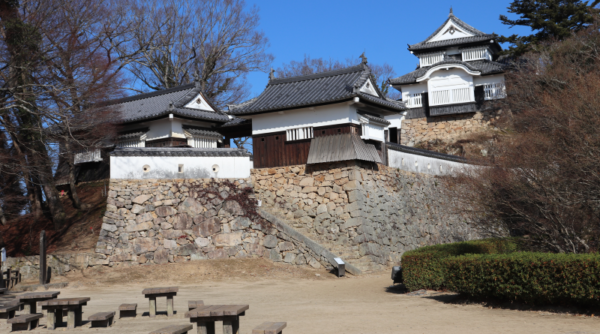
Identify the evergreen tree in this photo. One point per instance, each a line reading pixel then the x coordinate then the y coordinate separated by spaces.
pixel 547 19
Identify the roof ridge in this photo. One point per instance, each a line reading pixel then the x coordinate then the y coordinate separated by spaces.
pixel 459 22
pixel 148 95
pixel 345 70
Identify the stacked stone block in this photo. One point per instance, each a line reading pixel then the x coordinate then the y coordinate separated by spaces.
pixel 162 221
pixel 369 215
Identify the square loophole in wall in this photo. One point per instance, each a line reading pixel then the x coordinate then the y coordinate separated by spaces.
pixel 180 168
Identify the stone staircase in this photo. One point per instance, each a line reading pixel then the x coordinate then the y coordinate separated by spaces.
pixel 341 248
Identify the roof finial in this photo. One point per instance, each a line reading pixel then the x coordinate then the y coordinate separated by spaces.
pixel 171 105
pixel 272 74
pixel 451 11
pixel 364 58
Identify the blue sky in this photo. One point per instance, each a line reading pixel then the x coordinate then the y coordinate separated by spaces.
pixel 341 29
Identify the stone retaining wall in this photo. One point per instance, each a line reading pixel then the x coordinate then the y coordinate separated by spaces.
pixel 161 221
pixel 61 264
pixel 370 215
pixel 446 128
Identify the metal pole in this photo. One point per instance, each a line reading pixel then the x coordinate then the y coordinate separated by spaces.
pixel 43 257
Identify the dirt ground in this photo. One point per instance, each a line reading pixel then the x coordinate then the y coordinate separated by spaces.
pixel 310 301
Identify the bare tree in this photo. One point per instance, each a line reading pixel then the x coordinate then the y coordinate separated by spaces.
pixel 543 179
pixel 308 65
pixel 217 39
pixel 58 58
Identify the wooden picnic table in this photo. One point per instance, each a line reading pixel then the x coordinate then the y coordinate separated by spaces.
pixel 205 317
pixel 153 293
pixel 55 307
pixel 30 299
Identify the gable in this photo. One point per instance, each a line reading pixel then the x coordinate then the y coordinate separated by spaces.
pixel 451 30
pixel 368 88
pixel 199 102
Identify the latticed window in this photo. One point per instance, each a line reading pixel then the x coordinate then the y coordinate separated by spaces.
pixel 476 54
pixel 414 100
pixel 299 133
pixel 494 91
pixel 202 142
pixel 131 142
pixel 430 59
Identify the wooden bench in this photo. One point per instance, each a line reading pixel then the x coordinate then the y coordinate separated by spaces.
pixel 127 311
pixel 192 304
pixel 7 310
pixel 153 293
pixel 25 322
pixel 270 328
pixel 102 319
pixel 174 329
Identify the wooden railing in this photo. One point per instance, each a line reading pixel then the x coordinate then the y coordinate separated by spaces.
pixel 414 100
pixel 450 96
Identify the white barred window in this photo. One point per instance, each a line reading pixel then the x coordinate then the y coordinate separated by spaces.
pixel 476 54
pixel 299 133
pixel 414 100
pixel 494 91
pixel 430 59
pixel 202 142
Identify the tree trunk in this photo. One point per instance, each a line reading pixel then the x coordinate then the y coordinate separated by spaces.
pixel 2 217
pixel 70 160
pixel 56 208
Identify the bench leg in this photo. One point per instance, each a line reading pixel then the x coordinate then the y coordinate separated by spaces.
pixel 51 320
pixel 71 318
pixel 170 306
pixel 34 324
pixel 7 315
pixel 206 327
pixel 127 314
pixel 20 327
pixel 102 323
pixel 152 311
pixel 231 326
pixel 30 307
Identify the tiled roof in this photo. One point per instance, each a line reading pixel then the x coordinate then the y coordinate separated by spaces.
pixel 486 67
pixel 236 121
pixel 164 102
pixel 479 36
pixel 452 42
pixel 202 132
pixel 178 152
pixel 341 147
pixel 375 118
pixel 314 89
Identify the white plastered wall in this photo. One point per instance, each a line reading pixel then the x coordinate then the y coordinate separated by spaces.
pixel 167 167
pixel 488 79
pixel 425 165
pixel 368 88
pixel 165 127
pixel 332 114
pixel 199 102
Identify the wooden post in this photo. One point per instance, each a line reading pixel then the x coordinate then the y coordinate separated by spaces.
pixel 170 305
pixel 43 257
pixel 152 311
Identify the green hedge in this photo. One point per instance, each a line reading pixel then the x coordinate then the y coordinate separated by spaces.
pixel 424 268
pixel 533 278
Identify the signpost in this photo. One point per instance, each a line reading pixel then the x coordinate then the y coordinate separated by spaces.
pixel 43 270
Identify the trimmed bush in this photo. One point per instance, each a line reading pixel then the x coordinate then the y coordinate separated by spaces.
pixel 424 268
pixel 532 278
